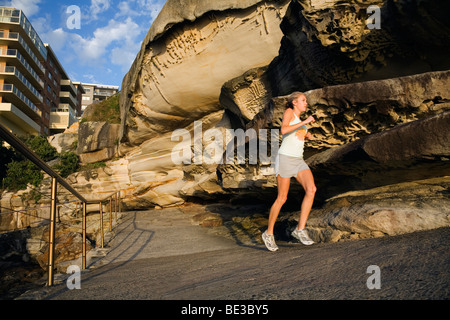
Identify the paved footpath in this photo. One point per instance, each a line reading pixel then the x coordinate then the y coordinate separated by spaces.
pixel 161 255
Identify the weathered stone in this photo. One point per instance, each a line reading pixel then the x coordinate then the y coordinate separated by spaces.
pixel 97 141
pixel 247 95
pixel 68 246
pixel 177 75
pixel 328 42
pixel 392 209
pixel 423 143
pixel 207 219
pixel 408 152
pixel 64 142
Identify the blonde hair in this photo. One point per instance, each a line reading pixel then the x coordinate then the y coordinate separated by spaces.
pixel 293 96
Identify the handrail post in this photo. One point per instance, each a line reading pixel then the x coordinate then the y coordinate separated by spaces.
pixel 115 205
pixel 118 202
pixel 101 221
pixel 83 262
pixel 51 249
pixel 110 214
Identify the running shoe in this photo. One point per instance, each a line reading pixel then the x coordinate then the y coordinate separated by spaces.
pixel 302 236
pixel 269 241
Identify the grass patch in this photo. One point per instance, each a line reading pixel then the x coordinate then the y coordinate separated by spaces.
pixel 107 110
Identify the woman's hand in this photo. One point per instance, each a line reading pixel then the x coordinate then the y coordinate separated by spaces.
pixel 309 120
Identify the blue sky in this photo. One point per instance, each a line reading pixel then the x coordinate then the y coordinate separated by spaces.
pixel 107 41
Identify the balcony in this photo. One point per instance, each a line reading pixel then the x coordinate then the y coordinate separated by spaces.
pixel 67 85
pixel 104 93
pixel 13 57
pixel 15 41
pixel 66 97
pixel 13 95
pixel 63 117
pixel 17 121
pixel 18 22
pixel 13 76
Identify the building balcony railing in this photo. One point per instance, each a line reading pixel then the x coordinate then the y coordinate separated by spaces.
pixel 65 107
pixel 18 119
pixel 16 54
pixel 65 96
pixel 13 71
pixel 67 84
pixel 16 36
pixel 9 88
pixel 105 93
pixel 16 17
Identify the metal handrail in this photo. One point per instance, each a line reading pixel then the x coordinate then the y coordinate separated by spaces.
pixel 16 143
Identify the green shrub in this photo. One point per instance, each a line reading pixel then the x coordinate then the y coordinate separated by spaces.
pixel 20 173
pixel 68 164
pixel 42 148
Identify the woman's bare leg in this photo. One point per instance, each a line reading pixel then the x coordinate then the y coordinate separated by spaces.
pixel 283 189
pixel 306 179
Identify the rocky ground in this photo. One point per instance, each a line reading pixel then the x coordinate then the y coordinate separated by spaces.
pixel 167 255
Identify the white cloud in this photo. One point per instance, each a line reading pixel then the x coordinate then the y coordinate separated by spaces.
pixel 124 56
pixel 141 8
pixel 108 41
pixel 122 34
pixel 151 7
pixel 126 11
pixel 97 7
pixel 29 7
pixel 57 39
pixel 90 78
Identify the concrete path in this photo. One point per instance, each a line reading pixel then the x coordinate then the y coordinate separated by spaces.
pixel 159 233
pixel 161 255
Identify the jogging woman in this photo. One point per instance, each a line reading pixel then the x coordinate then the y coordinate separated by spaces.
pixel 290 163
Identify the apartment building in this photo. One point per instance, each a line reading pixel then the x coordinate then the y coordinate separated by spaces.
pixel 62 96
pixel 96 92
pixel 36 95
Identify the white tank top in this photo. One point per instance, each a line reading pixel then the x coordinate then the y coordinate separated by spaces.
pixel 291 145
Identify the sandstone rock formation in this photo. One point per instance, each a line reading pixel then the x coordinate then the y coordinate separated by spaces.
pixel 97 141
pixel 328 43
pixel 177 75
pixel 228 66
pixel 346 114
pixel 188 54
pixel 380 98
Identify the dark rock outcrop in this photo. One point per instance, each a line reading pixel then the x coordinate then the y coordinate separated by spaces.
pixel 328 42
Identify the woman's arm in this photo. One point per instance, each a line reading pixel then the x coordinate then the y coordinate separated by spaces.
pixel 287 118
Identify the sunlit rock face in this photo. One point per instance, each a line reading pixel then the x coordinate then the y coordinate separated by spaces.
pixel 379 91
pixel 225 63
pixel 179 72
pixel 191 50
